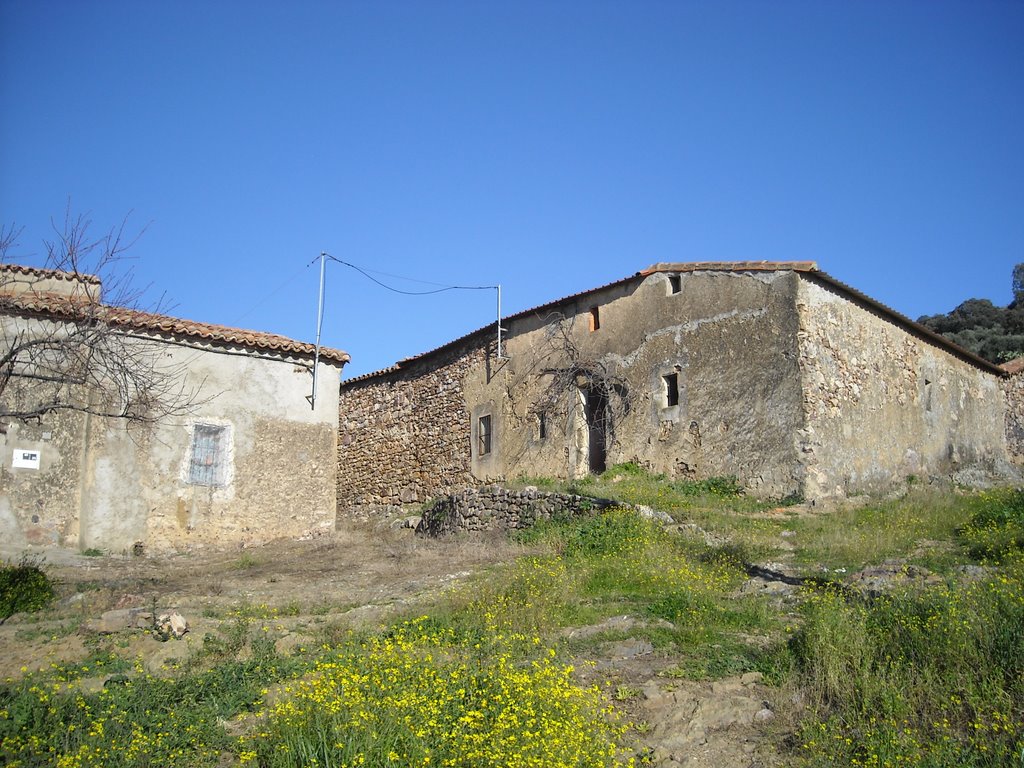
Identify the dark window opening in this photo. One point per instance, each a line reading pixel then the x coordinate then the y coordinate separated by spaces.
pixel 595 318
pixel 483 435
pixel 542 426
pixel 671 389
pixel 675 283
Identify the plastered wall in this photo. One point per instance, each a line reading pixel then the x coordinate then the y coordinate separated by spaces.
pixel 728 338
pixel 104 485
pixel 882 405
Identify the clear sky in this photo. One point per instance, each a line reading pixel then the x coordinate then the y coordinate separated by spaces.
pixel 547 146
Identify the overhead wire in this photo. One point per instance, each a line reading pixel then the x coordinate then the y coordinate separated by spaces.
pixel 441 289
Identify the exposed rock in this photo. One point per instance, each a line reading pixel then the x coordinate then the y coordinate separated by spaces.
pixel 121 619
pixel 876 579
pixel 654 514
pixel 628 649
pixel 170 625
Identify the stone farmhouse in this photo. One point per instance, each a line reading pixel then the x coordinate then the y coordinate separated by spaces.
pixel 246 458
pixel 773 372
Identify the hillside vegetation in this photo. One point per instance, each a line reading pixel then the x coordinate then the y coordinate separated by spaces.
pixel 899 640
pixel 992 332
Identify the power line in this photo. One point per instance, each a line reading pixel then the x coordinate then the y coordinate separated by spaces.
pixel 441 289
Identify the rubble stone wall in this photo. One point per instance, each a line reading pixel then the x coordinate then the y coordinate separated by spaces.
pixel 492 507
pixel 1013 390
pixel 405 437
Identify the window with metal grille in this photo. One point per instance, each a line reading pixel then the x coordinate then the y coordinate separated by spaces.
pixel 483 435
pixel 208 460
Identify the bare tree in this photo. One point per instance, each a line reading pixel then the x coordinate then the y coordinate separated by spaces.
pixel 70 333
pixel 574 372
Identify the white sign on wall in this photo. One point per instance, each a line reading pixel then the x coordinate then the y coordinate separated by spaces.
pixel 25 459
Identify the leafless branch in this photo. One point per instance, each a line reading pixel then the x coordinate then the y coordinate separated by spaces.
pixel 59 352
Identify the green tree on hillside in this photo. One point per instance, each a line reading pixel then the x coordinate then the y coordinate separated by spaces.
pixel 994 333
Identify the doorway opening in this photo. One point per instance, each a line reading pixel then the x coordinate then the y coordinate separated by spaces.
pixel 596 407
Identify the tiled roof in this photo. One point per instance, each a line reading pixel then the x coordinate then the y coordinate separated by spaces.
pixel 50 274
pixel 731 266
pixel 1013 367
pixel 71 309
pixel 809 268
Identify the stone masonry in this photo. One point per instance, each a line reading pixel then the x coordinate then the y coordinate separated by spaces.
pixel 406 439
pixel 493 508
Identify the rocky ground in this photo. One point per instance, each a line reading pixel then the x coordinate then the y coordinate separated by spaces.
pixel 303 590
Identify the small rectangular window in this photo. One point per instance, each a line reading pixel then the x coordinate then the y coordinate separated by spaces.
pixel 675 283
pixel 671 389
pixel 208 458
pixel 542 426
pixel 483 435
pixel 595 318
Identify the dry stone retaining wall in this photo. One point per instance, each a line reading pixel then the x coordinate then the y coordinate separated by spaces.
pixel 492 508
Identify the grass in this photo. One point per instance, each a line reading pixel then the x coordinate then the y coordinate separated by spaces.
pixel 929 677
pixel 935 678
pixel 854 537
pixel 481 676
pixel 246 561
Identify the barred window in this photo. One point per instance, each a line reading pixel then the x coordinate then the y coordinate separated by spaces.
pixel 208 461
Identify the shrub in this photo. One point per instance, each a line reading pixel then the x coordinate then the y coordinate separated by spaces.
pixel 721 487
pixel 24 587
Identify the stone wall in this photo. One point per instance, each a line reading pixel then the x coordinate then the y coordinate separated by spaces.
pixel 1013 390
pixel 882 405
pixel 404 437
pixel 409 435
pixel 493 508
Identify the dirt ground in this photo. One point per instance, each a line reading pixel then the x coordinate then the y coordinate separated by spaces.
pixel 358 576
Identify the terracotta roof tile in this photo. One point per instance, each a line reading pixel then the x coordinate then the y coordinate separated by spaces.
pixel 1013 367
pixel 71 309
pixel 52 274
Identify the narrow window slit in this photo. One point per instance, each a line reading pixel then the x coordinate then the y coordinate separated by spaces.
pixel 671 389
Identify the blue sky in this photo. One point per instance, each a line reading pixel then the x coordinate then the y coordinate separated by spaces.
pixel 547 146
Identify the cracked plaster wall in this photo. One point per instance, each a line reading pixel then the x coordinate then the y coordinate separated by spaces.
pixel 102 485
pixel 730 339
pixel 882 405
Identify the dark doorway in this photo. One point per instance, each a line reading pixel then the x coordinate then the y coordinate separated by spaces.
pixel 596 406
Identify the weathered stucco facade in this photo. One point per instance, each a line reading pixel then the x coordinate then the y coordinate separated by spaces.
pixel 772 372
pixel 247 460
pixel 884 403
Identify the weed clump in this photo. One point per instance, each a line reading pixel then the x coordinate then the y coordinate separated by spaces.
pixel 996 529
pixel 24 587
pixel 934 678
